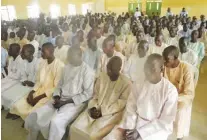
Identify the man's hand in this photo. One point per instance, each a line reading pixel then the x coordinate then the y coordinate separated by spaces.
pixel 58 104
pixel 95 113
pixel 29 83
pixel 131 134
pixel 30 97
pixel 23 83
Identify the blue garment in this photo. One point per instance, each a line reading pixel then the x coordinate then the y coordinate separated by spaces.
pixel 4 56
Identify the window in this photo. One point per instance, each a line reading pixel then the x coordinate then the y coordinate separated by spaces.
pixel 158 5
pixel 87 7
pixel 33 11
pixel 71 9
pixel 54 11
pixel 8 13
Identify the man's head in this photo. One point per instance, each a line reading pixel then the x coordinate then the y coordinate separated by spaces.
pixel 59 41
pixel 142 48
pixel 65 27
pixel 194 35
pixel 76 42
pixel 159 40
pixel 75 56
pixel 92 42
pixel 14 50
pixel 108 46
pixel 47 50
pixel 106 28
pixel 28 52
pixel 173 31
pixel 80 35
pixel 117 31
pixel 12 35
pixel 168 9
pixel 139 35
pixel 152 32
pixel 114 67
pixel 185 27
pixel 202 17
pixel 74 28
pixel 98 32
pixel 153 68
pixel 170 55
pixel 21 33
pixel 182 45
pixel 4 35
pixel 183 10
pixel 31 36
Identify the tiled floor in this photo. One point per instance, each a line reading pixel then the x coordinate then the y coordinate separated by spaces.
pixel 12 130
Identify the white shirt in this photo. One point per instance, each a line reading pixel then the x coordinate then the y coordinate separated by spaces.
pixel 151 110
pixel 30 70
pixel 137 14
pixel 76 83
pixel 189 57
pixel 157 49
pixel 100 42
pixel 91 58
pixel 172 41
pixel 62 53
pixel 134 68
pixel 36 46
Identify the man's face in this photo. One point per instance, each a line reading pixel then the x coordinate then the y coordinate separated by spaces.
pixel 153 72
pixel 45 53
pixel 158 41
pixel 30 36
pixel 93 43
pixel 169 61
pixel 185 28
pixel 183 46
pixel 140 36
pixel 98 33
pixel 195 35
pixel 26 55
pixel 173 32
pixel 107 48
pixel 12 51
pixel 59 42
pixel 113 70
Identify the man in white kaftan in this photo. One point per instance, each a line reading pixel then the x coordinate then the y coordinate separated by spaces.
pixel 100 38
pixel 28 77
pixel 134 68
pixel 92 54
pixel 105 110
pixel 61 50
pixel 70 96
pixel 151 107
pixel 14 68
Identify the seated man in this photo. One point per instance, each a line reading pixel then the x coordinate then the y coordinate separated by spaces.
pixel 73 90
pixel 61 50
pixel 172 39
pixel 181 76
pixel 105 109
pixel 159 45
pixel 48 77
pixel 92 54
pixel 151 107
pixel 14 68
pixel 28 77
pixel 109 52
pixel 134 68
pixel 189 56
pixel 4 57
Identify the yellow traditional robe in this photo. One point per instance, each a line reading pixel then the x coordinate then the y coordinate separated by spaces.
pixel 110 97
pixel 47 79
pixel 182 78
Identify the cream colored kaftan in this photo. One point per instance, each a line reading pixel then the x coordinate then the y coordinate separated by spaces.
pixel 47 79
pixel 157 49
pixel 182 78
pixel 151 110
pixel 110 97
